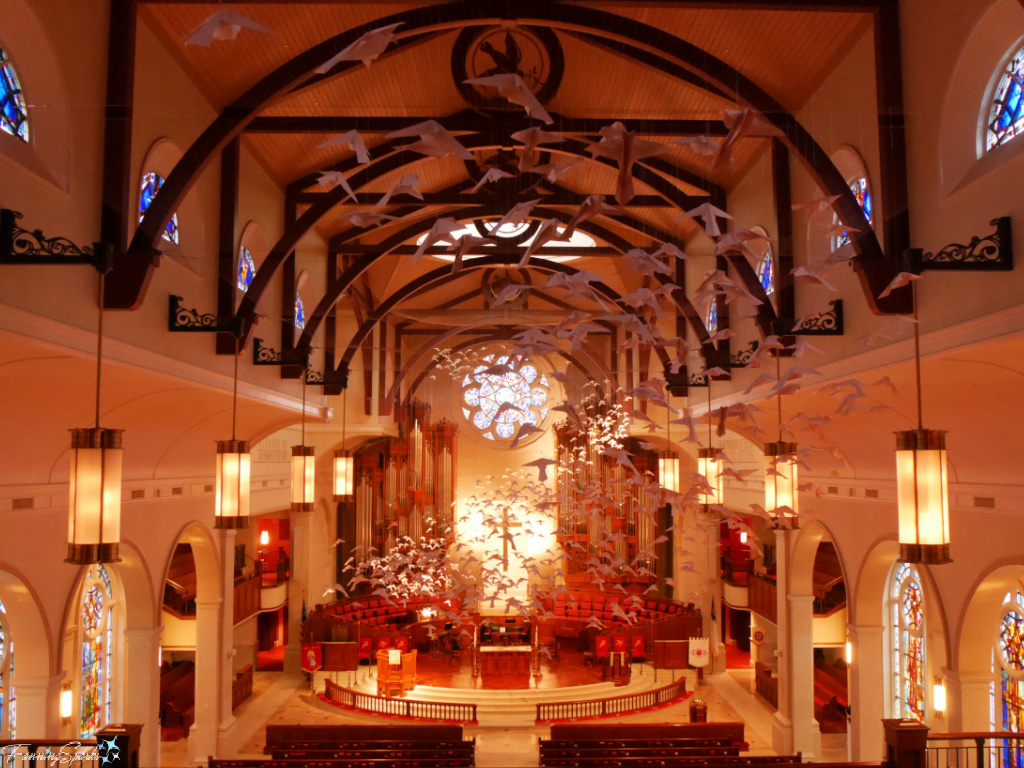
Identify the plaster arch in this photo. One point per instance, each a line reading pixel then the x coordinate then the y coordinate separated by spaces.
pixel 805 547
pixel 190 249
pixel 26 625
pixel 207 560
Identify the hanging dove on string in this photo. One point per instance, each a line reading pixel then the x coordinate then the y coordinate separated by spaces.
pixel 492 175
pixel 441 231
pixel 408 184
pixel 222 25
pixel 902 279
pixel 512 88
pixel 434 141
pixel 625 148
pixel 332 178
pixel 353 141
pixel 593 206
pixel 365 49
pixel 709 214
pixel 531 139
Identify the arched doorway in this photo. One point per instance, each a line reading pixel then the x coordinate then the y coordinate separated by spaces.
pixel 28 675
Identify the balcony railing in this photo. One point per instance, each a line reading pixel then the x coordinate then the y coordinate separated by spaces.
pixel 984 749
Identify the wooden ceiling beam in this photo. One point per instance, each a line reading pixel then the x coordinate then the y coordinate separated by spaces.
pixel 562 197
pixel 808 6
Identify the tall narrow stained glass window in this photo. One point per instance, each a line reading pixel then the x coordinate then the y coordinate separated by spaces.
pixel 13 115
pixel 906 605
pixel 1011 657
pixel 300 313
pixel 246 269
pixel 151 184
pixel 502 393
pixel 860 190
pixel 8 699
pixel 1006 115
pixel 98 615
pixel 711 316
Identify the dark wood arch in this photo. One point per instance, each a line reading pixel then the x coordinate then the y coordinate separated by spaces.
pixel 133 269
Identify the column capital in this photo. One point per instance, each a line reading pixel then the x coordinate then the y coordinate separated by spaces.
pixel 144 633
pixel 800 599
pixel 26 684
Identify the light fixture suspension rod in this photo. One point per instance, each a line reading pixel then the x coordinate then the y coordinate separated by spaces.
pixel 234 393
pixel 778 395
pixel 917 354
pixel 304 370
pixel 709 411
pixel 99 350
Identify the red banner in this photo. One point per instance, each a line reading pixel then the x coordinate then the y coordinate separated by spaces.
pixel 383 643
pixel 402 643
pixel 365 647
pixel 312 657
pixel 602 646
pixel 619 644
pixel 638 647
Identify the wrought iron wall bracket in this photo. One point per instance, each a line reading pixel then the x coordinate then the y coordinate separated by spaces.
pixel 826 324
pixel 184 320
pixel 262 355
pixel 993 252
pixel 743 357
pixel 21 246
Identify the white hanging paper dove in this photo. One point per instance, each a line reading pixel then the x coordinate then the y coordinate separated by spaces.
pixel 365 49
pixel 353 141
pixel 222 25
pixel 512 87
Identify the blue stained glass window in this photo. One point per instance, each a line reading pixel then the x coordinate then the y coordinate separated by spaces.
pixel 300 313
pixel 246 269
pixel 860 190
pixel 97 627
pixel 1006 116
pixel 906 599
pixel 151 184
pixel 13 116
pixel 1011 654
pixel 498 403
pixel 766 272
pixel 711 317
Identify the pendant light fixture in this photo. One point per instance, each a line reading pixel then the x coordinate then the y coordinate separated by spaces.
pixel 94 505
pixel 709 465
pixel 303 465
pixel 344 463
pixel 922 481
pixel 668 461
pixel 781 498
pixel 233 471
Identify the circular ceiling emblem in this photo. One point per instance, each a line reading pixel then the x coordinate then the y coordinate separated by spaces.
pixel 533 53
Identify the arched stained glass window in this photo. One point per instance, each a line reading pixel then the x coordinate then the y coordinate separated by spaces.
pixel 13 116
pixel 97 619
pixel 8 699
pixel 859 187
pixel 711 316
pixel 151 184
pixel 502 393
pixel 1011 658
pixel 906 605
pixel 1006 115
pixel 300 313
pixel 246 269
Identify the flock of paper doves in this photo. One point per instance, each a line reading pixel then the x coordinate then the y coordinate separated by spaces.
pixel 446 567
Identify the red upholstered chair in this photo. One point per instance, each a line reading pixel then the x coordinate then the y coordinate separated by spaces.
pixel 638 648
pixel 383 643
pixel 365 647
pixel 560 608
pixel 619 644
pixel 402 643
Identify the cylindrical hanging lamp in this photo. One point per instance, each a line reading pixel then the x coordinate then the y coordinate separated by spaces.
pixel 303 477
pixel 922 496
pixel 781 497
pixel 710 463
pixel 344 464
pixel 94 512
pixel 231 508
pixel 668 471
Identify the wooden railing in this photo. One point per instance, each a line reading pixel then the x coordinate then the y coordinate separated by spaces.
pixel 564 711
pixel 981 749
pixel 436 711
pixel 247 597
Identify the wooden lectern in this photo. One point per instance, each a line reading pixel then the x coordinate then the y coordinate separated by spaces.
pixel 395 678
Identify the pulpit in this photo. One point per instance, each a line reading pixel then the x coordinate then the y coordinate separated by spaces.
pixel 396 672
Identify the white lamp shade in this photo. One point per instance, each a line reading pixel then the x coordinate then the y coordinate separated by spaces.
pixel 922 481
pixel 67 701
pixel 344 475
pixel 303 477
pixel 94 507
pixel 781 479
pixel 710 466
pixel 264 538
pixel 939 697
pixel 232 488
pixel 668 472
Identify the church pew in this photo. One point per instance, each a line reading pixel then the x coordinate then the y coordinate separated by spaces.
pixel 426 762
pixel 775 761
pixel 461 754
pixel 595 732
pixel 309 736
pixel 639 748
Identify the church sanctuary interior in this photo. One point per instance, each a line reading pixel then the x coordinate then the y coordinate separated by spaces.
pixel 431 384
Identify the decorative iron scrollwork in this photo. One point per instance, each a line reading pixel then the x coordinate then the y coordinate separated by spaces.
pixel 697 380
pixel 269 356
pixel 22 246
pixel 826 324
pixel 184 320
pixel 743 357
pixel 314 377
pixel 991 252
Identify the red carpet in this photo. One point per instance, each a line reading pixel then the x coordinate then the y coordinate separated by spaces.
pixel 735 658
pixel 271 661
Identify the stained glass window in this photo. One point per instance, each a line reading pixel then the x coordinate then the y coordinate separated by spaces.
pixel 502 393
pixel 1006 117
pixel 766 272
pixel 908 663
pixel 97 631
pixel 1011 656
pixel 300 313
pixel 860 190
pixel 151 184
pixel 246 269
pixel 13 117
pixel 8 700
pixel 711 317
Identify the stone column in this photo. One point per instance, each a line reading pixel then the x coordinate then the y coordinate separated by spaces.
pixel 867 693
pixel 806 733
pixel 142 688
pixel 226 631
pixel 297 590
pixel 38 706
pixel 202 738
pixel 782 727
pixel 967 700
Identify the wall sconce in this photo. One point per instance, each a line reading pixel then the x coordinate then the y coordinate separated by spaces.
pixel 264 538
pixel 939 697
pixel 849 649
pixel 66 702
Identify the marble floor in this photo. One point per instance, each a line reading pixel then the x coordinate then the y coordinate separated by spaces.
pixel 282 699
